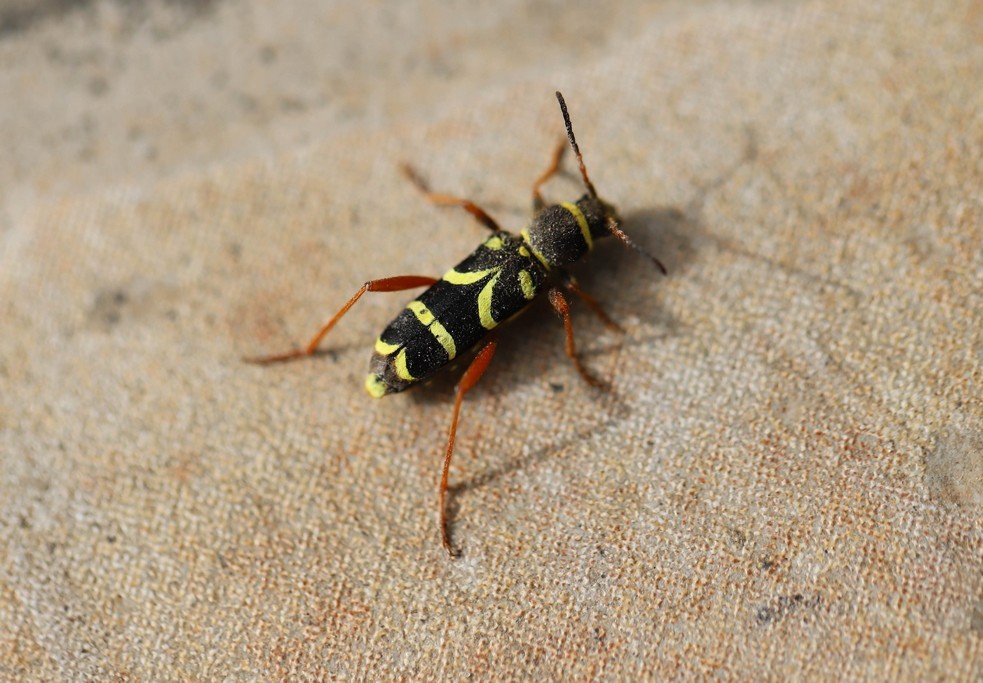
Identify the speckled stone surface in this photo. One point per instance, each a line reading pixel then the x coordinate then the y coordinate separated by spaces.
pixel 785 481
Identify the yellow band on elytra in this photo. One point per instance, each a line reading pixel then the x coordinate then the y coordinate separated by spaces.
pixel 485 302
pixel 439 332
pixel 421 312
pixel 385 348
pixel 525 282
pixel 494 243
pixel 400 365
pixel 469 277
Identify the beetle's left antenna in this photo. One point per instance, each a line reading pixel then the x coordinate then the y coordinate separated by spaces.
pixel 573 143
pixel 613 226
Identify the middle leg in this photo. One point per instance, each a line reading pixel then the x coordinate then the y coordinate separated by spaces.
pixel 559 303
pixel 571 285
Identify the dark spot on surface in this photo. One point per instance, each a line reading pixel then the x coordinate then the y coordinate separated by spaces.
pixel 23 15
pixel 140 298
pixel 954 469
pixel 976 619
pixel 107 309
pixel 784 606
pixel 292 104
pixel 738 537
pixel 98 86
pixel 766 615
pixel 556 387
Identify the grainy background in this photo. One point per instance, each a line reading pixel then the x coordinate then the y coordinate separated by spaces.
pixel 786 481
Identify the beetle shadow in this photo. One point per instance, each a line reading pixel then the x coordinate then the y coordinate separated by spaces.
pixel 675 235
pixel 613 410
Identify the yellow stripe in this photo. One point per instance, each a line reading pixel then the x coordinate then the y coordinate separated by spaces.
pixel 439 332
pixel 469 277
pixel 421 312
pixel 384 349
pixel 535 252
pixel 525 281
pixel 485 302
pixel 581 220
pixel 494 243
pixel 400 363
pixel 524 251
pixel 484 296
pixel 444 338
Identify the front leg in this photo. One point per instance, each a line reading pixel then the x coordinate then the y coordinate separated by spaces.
pixel 559 303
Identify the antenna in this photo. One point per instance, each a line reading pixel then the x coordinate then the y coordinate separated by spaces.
pixel 573 143
pixel 619 233
pixel 613 226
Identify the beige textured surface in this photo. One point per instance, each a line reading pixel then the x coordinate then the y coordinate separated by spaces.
pixel 786 482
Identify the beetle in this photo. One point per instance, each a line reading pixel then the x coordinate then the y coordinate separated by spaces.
pixel 462 309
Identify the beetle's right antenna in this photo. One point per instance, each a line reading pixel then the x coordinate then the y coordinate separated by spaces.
pixel 576 150
pixel 616 230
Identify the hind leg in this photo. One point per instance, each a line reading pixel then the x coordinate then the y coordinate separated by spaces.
pixel 468 380
pixel 388 284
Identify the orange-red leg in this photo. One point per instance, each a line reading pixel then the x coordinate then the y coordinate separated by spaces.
pixel 449 200
pixel 537 198
pixel 559 304
pixel 571 285
pixel 471 376
pixel 387 284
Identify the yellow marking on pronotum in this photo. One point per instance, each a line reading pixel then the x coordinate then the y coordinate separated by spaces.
pixel 375 386
pixel 485 302
pixel 581 221
pixel 384 348
pixel 438 331
pixel 400 364
pixel 535 252
pixel 525 281
pixel 524 251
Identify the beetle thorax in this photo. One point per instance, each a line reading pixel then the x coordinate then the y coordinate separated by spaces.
pixel 562 234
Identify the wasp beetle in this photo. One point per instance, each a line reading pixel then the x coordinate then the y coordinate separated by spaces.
pixel 460 310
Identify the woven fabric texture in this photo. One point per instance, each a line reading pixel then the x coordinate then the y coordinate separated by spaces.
pixel 785 480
